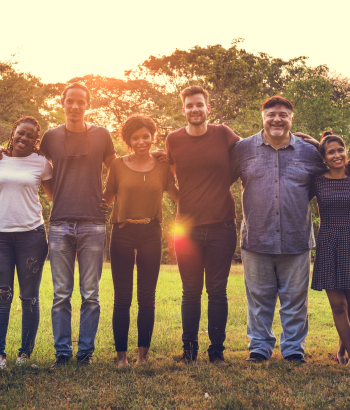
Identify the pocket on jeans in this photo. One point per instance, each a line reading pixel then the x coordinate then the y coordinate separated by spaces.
pixel 56 223
pixel 40 229
pixel 98 223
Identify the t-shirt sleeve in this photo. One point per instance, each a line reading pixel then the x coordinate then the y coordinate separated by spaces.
pixel 47 170
pixel 111 183
pixel 232 138
pixel 109 149
pixel 170 180
pixel 168 152
pixel 44 145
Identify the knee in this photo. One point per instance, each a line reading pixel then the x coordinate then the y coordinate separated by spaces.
pixel 6 294
pixel 218 298
pixel 147 304
pixel 29 301
pixel 217 294
pixel 122 302
pixel 339 309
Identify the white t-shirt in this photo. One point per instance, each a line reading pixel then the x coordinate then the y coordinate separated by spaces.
pixel 20 178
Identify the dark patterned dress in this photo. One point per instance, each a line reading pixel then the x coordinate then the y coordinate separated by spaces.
pixel 332 265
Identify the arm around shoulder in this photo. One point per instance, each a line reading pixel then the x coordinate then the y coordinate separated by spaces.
pixel 173 192
pixel 47 187
pixel 234 163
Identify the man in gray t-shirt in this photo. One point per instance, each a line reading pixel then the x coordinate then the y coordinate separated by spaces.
pixel 77 223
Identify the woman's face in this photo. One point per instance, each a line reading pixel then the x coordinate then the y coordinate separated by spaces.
pixel 335 155
pixel 24 139
pixel 141 141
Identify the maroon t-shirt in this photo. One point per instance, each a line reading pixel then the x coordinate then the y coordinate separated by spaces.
pixel 203 173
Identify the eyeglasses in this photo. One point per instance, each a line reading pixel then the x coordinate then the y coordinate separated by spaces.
pixel 77 146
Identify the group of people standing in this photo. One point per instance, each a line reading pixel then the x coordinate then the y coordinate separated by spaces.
pixel 280 173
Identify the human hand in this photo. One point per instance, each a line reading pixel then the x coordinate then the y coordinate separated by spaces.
pixel 308 138
pixel 2 149
pixel 160 154
pixel 104 206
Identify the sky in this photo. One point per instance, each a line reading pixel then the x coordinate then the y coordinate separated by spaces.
pixel 59 40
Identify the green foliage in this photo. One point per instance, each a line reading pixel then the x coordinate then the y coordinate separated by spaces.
pixel 21 94
pixel 321 102
pixel 237 81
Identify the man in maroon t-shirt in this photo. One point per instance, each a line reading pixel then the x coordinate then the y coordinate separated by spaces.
pixel 205 238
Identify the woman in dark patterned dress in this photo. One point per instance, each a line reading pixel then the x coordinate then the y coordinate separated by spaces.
pixel 332 265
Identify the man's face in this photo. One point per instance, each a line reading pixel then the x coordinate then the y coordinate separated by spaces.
pixel 277 121
pixel 195 109
pixel 75 104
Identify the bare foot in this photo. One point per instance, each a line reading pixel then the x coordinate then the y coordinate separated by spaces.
pixel 122 360
pixel 142 355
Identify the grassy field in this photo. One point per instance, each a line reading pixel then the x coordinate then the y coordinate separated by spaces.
pixel 164 383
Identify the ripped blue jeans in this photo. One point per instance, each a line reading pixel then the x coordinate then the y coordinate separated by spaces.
pixel 27 252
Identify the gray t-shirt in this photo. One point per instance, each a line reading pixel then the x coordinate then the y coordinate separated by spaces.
pixel 77 171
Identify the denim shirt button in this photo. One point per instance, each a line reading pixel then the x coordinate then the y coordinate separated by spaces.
pixel 276 180
pixel 277 230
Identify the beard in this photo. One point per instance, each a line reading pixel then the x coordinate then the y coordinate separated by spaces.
pixel 199 121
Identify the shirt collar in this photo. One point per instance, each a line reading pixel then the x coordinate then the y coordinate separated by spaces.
pixel 260 140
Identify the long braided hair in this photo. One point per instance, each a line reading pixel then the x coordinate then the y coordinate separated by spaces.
pixel 27 119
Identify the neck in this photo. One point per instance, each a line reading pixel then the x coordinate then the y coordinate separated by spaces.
pixel 197 130
pixel 75 126
pixel 141 158
pixel 277 142
pixel 337 173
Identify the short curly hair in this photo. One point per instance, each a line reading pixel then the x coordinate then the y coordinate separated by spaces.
pixel 134 123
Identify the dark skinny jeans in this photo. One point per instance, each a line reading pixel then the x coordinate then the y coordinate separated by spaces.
pixel 146 240
pixel 209 249
pixel 27 252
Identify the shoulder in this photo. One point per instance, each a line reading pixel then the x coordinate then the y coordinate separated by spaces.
pixel 316 179
pixel 53 132
pixel 162 166
pixel 176 134
pixel 219 128
pixel 307 151
pixel 100 131
pixel 305 146
pixel 40 158
pixel 50 137
pixel 246 142
pixel 117 162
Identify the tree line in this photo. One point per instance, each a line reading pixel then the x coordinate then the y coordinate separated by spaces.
pixel 237 80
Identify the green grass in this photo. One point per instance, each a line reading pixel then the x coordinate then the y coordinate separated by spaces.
pixel 164 383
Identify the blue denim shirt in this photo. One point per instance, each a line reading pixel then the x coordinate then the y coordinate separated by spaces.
pixel 275 194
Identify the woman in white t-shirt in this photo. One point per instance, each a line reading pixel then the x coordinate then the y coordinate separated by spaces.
pixel 23 241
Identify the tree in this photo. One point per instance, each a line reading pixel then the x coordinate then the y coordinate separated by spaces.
pixel 21 94
pixel 320 101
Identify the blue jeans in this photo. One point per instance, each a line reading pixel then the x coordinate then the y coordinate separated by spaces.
pixel 147 240
pixel 208 248
pixel 66 240
pixel 27 252
pixel 266 278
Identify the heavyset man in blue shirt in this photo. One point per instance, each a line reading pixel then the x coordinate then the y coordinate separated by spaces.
pixel 276 168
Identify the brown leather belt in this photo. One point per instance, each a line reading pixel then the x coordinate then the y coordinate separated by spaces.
pixel 143 221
